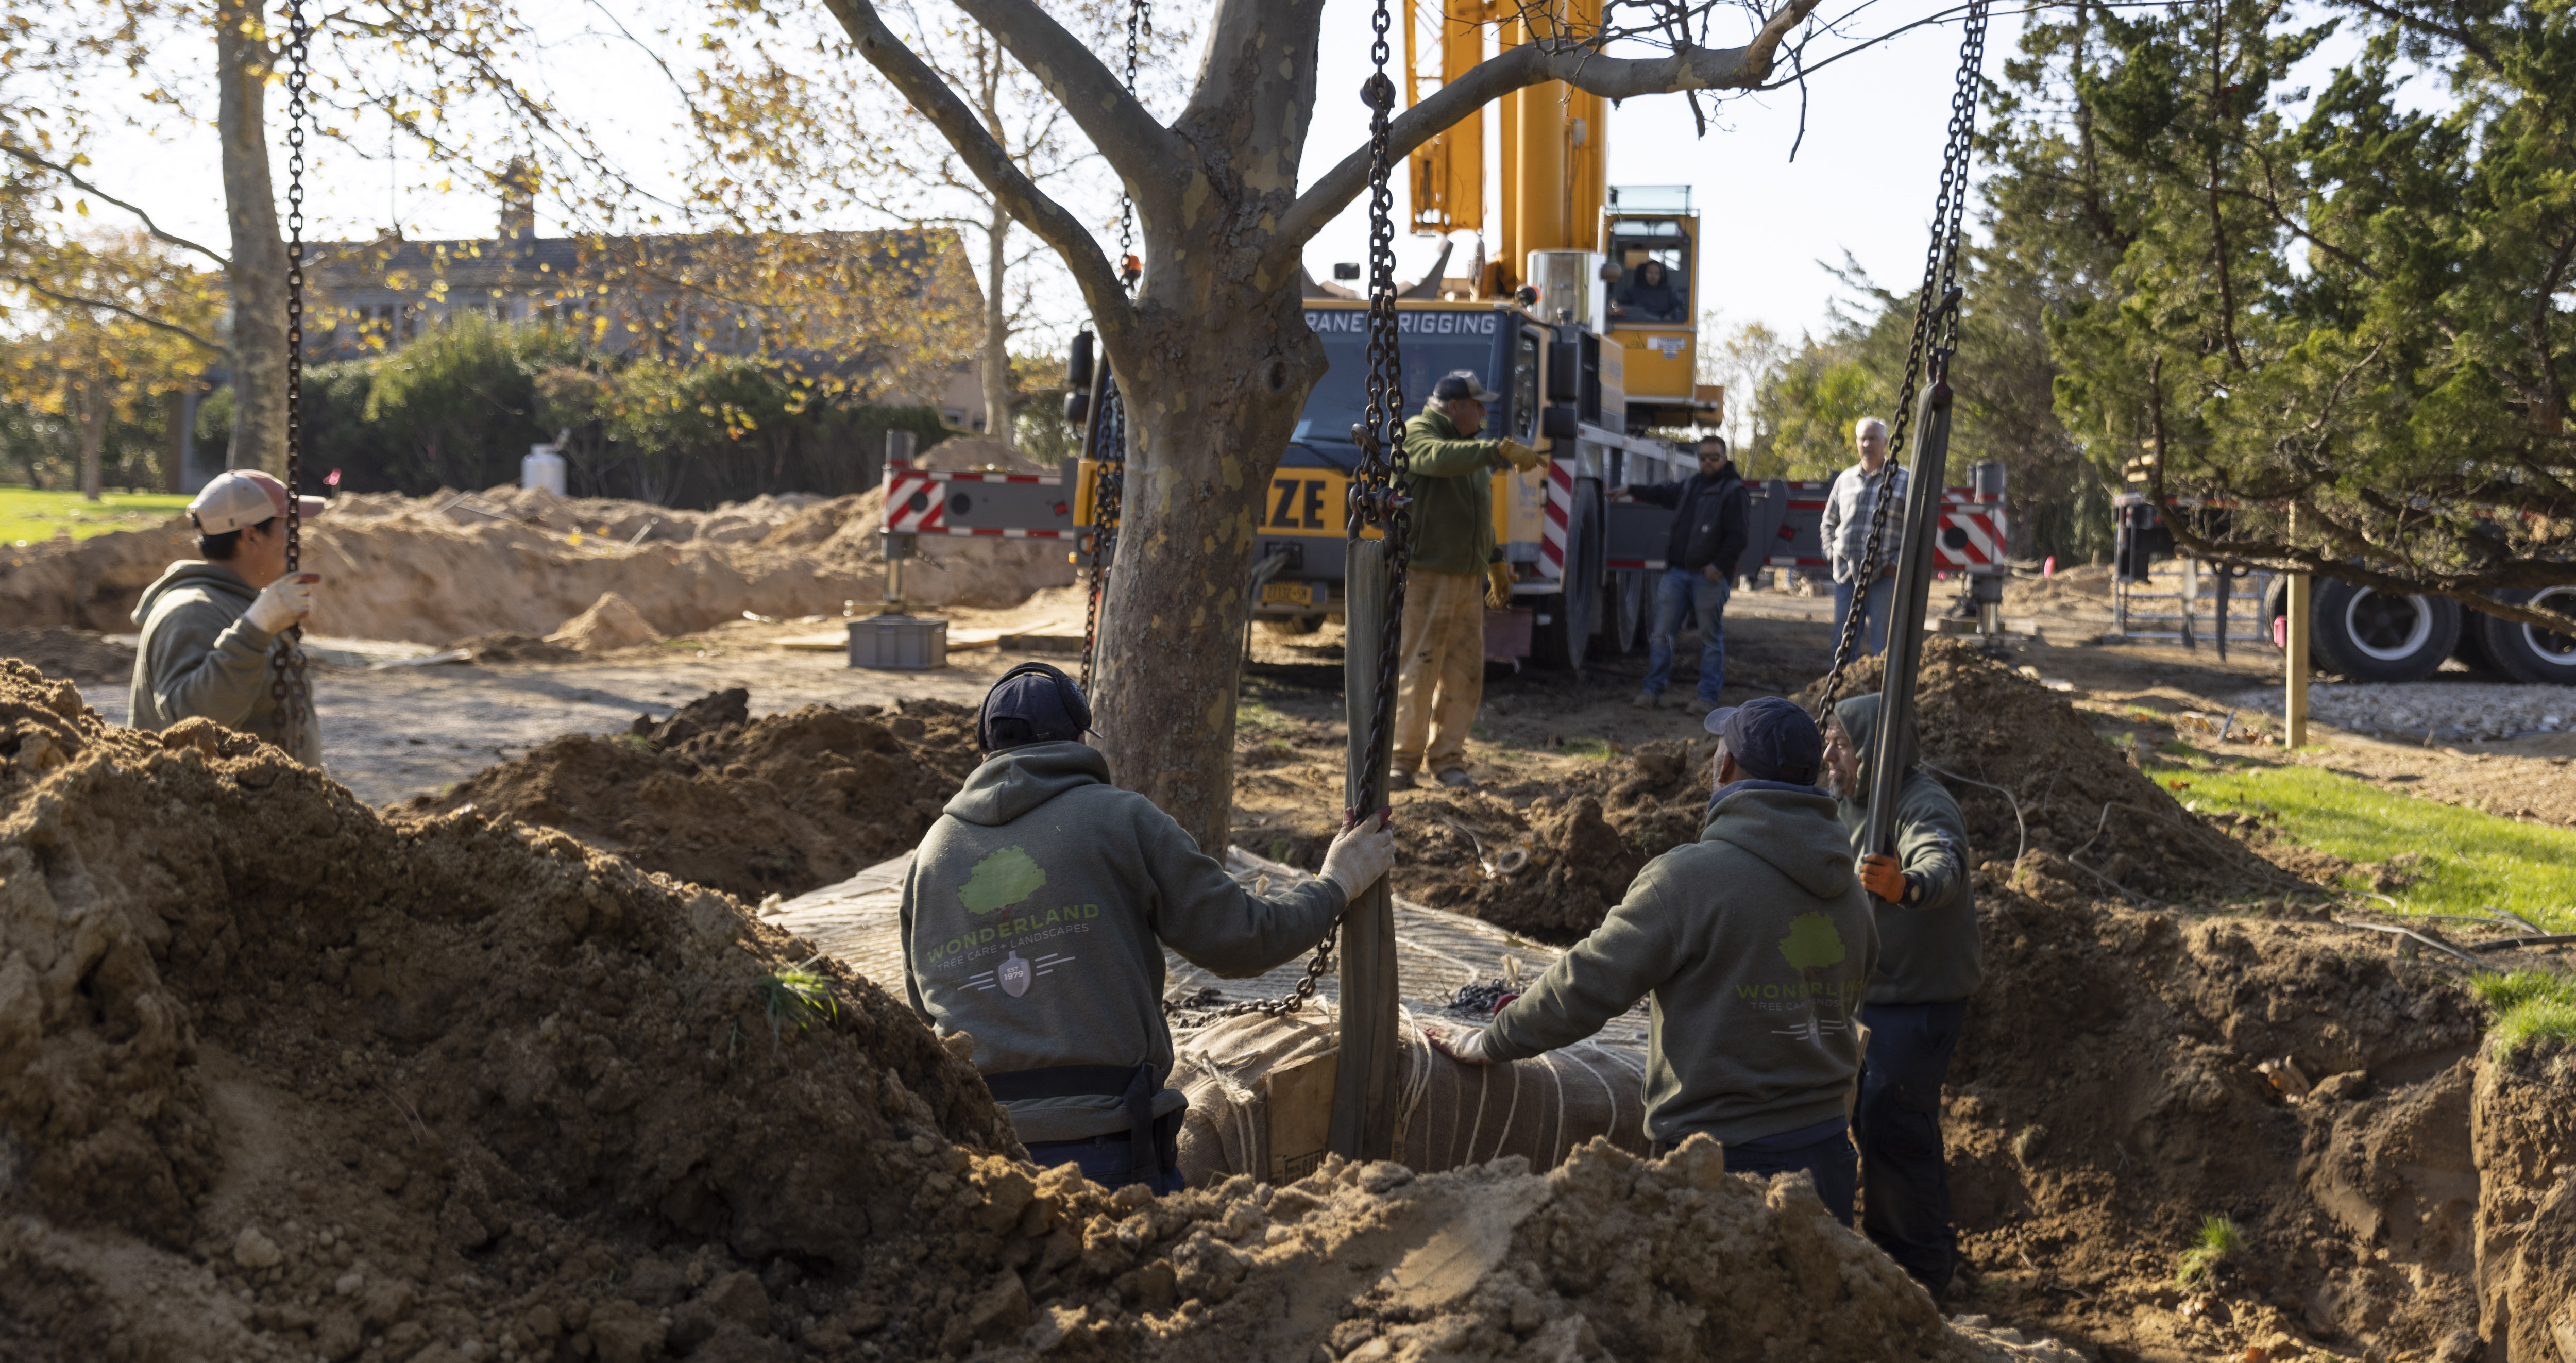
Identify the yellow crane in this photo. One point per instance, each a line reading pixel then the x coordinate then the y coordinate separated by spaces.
pixel 1561 227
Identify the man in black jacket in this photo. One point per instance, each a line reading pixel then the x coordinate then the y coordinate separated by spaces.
pixel 1707 538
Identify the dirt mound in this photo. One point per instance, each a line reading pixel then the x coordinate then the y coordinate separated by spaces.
pixel 2000 739
pixel 2524 1124
pixel 2114 1087
pixel 75 653
pixel 753 807
pixel 612 622
pixel 432 569
pixel 274 1073
pixel 280 1078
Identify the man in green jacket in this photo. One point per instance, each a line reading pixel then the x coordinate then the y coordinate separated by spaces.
pixel 1753 943
pixel 1454 570
pixel 212 625
pixel 1929 962
pixel 1035 917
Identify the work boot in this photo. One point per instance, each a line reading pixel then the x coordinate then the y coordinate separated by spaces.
pixel 1400 778
pixel 1456 778
pixel 1643 700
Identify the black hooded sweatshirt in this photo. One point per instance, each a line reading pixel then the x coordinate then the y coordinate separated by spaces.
pixel 1708 520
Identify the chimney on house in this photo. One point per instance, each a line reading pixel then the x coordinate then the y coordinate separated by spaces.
pixel 519 201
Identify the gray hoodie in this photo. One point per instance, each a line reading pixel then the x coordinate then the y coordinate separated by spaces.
pixel 1036 913
pixel 1754 944
pixel 1929 952
pixel 200 656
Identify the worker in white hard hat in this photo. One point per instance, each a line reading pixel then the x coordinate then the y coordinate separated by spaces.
pixel 213 625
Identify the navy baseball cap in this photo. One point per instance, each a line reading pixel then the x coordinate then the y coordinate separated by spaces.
pixel 1771 738
pixel 1462 383
pixel 1032 703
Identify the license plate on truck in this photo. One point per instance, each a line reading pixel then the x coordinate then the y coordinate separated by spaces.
pixel 1287 594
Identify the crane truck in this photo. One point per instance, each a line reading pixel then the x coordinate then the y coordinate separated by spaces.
pixel 1585 369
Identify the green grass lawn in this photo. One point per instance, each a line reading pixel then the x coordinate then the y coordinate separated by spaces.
pixel 2472 861
pixel 30 515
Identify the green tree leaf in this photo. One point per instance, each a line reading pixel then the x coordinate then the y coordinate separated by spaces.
pixel 1813 942
pixel 1005 878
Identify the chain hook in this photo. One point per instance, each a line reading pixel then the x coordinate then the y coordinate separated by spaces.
pixel 1935 338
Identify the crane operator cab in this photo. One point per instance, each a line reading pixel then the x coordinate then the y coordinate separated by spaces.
pixel 1650 238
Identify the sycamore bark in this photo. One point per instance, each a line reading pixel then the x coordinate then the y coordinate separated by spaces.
pixel 257 272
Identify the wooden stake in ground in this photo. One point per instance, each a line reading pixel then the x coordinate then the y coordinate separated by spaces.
pixel 2294 704
pixel 1363 1090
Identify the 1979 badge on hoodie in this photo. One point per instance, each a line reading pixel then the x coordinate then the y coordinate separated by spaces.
pixel 1015 975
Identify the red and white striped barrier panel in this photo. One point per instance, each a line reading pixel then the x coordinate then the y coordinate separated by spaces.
pixel 1560 509
pixel 1977 525
pixel 917 502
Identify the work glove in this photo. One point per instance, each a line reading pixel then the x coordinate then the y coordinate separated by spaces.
pixel 1518 455
pixel 1880 874
pixel 283 602
pixel 1498 586
pixel 1362 853
pixel 1464 1044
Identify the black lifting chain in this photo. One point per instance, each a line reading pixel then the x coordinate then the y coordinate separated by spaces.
pixel 1380 486
pixel 1936 331
pixel 287 684
pixel 1140 15
pixel 1108 445
pixel 1107 441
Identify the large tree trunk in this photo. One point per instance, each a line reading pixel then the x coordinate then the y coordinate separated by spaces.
pixel 258 270
pixel 997 329
pixel 1209 411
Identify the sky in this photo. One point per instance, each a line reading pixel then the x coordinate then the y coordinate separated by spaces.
pixel 1862 180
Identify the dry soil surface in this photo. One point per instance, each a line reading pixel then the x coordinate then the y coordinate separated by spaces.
pixel 462 1089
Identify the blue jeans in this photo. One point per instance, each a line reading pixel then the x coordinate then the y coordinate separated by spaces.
pixel 1874 611
pixel 1898 1127
pixel 1687 594
pixel 1110 1160
pixel 1830 1160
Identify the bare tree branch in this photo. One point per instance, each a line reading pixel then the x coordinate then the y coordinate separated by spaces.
pixel 94 191
pixel 1139 150
pixel 1578 63
pixel 991 164
pixel 121 310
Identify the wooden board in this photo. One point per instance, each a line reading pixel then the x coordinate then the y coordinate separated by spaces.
pixel 1301 1114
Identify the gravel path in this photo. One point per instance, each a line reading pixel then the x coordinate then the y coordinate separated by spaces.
pixel 2450 711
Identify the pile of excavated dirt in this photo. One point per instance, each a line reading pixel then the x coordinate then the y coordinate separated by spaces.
pixel 279 1078
pixel 2114 1086
pixel 2523 1120
pixel 1587 837
pixel 75 653
pixel 440 568
pixel 2000 739
pixel 753 807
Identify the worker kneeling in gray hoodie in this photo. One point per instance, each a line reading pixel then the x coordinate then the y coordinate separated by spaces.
pixel 1035 917
pixel 215 629
pixel 1754 944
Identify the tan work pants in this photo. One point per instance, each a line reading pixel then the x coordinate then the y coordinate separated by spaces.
pixel 1440 679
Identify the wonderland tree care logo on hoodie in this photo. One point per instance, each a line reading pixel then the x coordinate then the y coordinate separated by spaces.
pixel 1001 880
pixel 1813 944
